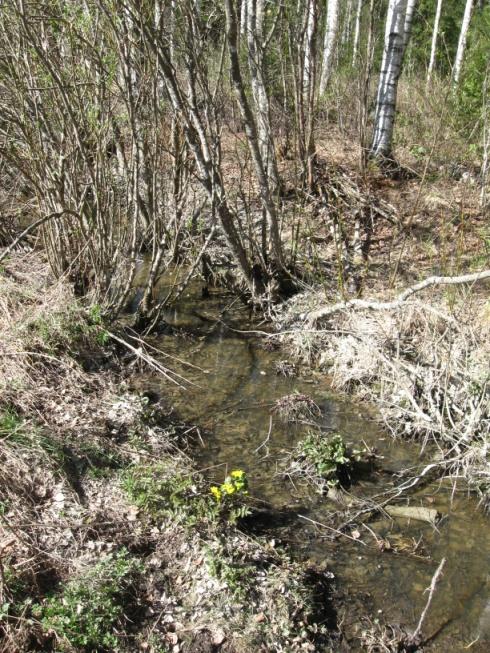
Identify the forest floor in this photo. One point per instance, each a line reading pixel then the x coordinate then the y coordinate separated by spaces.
pixel 424 362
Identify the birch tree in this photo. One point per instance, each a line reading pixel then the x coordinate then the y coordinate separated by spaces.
pixel 395 42
pixel 357 31
pixel 407 29
pixel 433 47
pixel 256 59
pixel 458 62
pixel 331 30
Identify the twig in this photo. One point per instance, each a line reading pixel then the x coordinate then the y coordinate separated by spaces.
pixel 432 589
pixel 267 438
pixel 334 530
pixel 33 226
pixel 152 362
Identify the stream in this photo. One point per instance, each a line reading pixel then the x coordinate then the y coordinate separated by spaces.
pixel 235 386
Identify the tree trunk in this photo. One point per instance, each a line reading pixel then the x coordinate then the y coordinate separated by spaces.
pixel 252 135
pixel 331 29
pixel 458 62
pixel 357 31
pixel 411 4
pixel 255 40
pixel 433 47
pixel 244 18
pixel 309 90
pixel 391 67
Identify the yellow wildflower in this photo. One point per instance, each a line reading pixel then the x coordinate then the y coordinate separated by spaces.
pixel 228 488
pixel 216 492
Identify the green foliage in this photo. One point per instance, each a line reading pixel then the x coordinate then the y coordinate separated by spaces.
pixel 327 455
pixel 475 68
pixel 229 495
pixel 89 608
pixel 161 491
pixel 227 568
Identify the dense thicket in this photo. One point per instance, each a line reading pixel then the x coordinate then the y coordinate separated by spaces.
pixel 167 129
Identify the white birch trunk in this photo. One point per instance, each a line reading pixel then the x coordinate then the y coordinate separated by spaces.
pixel 411 4
pixel 346 32
pixel 308 65
pixel 394 47
pixel 357 31
pixel 458 62
pixel 485 185
pixel 255 36
pixel 331 28
pixel 433 47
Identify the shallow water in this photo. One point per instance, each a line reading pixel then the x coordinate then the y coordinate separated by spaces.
pixel 235 386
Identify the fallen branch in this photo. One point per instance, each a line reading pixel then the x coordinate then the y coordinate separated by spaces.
pixel 414 637
pixel 313 316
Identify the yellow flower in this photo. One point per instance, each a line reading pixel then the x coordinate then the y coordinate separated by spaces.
pixel 238 474
pixel 228 488
pixel 216 492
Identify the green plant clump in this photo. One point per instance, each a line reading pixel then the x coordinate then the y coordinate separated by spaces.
pixel 162 493
pixel 327 455
pixel 86 613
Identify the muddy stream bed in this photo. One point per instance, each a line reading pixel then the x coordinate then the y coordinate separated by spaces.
pixel 236 384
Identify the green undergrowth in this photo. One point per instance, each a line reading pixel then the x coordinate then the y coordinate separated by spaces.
pixel 324 461
pixel 91 607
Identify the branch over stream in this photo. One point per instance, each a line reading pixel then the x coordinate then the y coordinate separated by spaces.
pixel 313 316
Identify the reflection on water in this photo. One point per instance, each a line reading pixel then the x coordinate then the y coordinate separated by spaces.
pixel 236 385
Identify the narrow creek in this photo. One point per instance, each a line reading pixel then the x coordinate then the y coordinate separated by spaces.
pixel 236 384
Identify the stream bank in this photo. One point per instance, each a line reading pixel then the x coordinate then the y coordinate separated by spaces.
pixel 383 568
pixel 110 539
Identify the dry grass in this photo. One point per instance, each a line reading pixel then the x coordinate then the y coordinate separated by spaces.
pixel 426 367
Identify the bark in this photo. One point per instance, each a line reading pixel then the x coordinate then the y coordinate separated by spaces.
pixel 411 5
pixel 244 17
pixel 357 31
pixel 458 62
pixel 331 29
pixel 255 40
pixel 433 47
pixel 309 90
pixel 346 32
pixel 391 67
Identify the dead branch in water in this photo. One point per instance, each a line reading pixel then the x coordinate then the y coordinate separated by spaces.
pixel 432 588
pixel 313 316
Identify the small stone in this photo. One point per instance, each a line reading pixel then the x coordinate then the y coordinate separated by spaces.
pixel 218 638
pixel 259 618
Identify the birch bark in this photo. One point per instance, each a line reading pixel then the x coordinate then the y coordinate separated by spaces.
pixel 458 62
pixel 357 31
pixel 331 29
pixel 255 40
pixel 433 47
pixel 394 47
pixel 411 4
